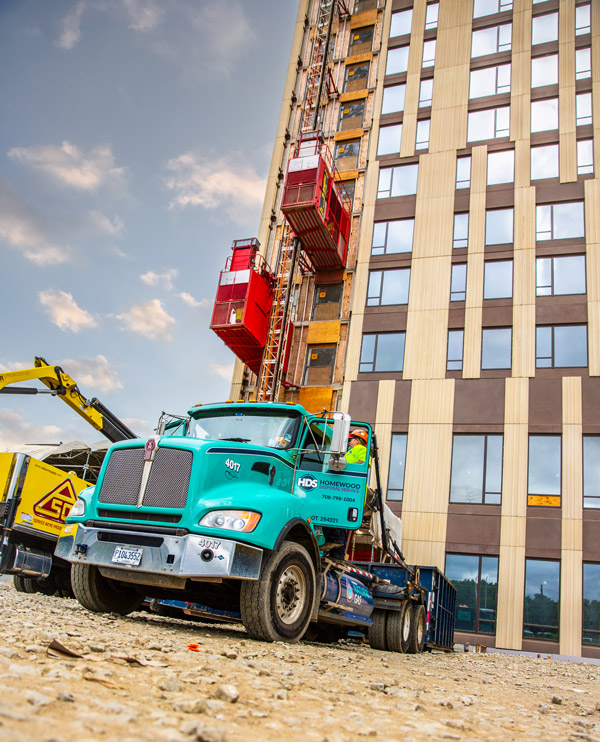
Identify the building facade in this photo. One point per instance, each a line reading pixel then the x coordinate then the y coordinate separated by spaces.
pixel 466 325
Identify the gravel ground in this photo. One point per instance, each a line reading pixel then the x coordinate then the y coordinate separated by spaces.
pixel 137 680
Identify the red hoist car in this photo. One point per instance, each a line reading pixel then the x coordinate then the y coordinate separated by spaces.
pixel 316 209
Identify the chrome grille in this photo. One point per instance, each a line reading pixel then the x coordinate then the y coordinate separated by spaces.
pixel 123 476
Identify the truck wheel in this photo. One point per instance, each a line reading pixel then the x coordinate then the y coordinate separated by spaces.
pixel 418 629
pixel 278 606
pixel 101 595
pixel 377 630
pixel 24 584
pixel 399 625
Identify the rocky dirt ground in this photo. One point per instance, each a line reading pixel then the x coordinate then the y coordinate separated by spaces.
pixel 137 680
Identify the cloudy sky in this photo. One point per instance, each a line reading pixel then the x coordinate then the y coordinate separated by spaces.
pixel 135 140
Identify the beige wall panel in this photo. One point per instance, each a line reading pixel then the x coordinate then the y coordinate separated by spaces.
pixel 521 70
pixel 523 341
pixel 566 91
pixel 427 552
pixel 522 163
pixel 525 218
pixel 571 534
pixel 571 400
pixel 472 343
pixel 594 337
pixel 427 475
pixel 426 341
pixel 521 33
pixel 592 238
pixel 571 589
pixel 432 402
pixel 413 80
pixel 323 332
pixel 596 78
pixel 429 283
pixel 437 173
pixel 511 591
pixel 514 474
pixel 513 531
pixel 524 278
pixel 524 284
pixel 383 425
pixel 516 402
pixel 415 55
pixel 520 117
pixel 235 391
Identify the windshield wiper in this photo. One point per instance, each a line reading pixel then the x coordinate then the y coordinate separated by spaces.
pixel 237 440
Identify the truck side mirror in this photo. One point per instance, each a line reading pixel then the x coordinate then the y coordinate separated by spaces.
pixel 339 440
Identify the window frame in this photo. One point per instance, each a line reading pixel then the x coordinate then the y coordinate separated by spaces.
pixel 553 259
pixel 373 362
pixel 595 498
pixel 552 357
pixel 554 223
pixel 377 298
pixel 533 28
pixel 307 365
pixel 484 493
pixel 387 232
pixel 497 50
pixel 395 171
pixel 480 558
pixel 455 239
pixel 585 630
pixel 497 88
pixel 458 362
pixel 500 131
pixel 396 489
pixel 486 332
pixel 542 626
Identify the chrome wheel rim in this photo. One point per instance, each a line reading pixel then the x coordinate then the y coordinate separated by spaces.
pixel 290 597
pixel 406 624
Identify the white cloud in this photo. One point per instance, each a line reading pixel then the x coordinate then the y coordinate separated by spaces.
pixel 104 224
pixel 70 166
pixel 16 430
pixel 160 279
pixel 141 427
pixel 225 33
pixel 71 28
pixel 64 311
pixel 149 319
pixel 191 302
pixel 93 373
pixel 225 371
pixel 143 16
pixel 216 184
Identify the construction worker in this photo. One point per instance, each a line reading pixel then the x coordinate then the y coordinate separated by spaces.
pixel 357 447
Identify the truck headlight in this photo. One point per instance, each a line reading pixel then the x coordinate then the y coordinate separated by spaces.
pixel 244 521
pixel 79 508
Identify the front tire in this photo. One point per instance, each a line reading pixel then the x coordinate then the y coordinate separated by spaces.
pixel 101 595
pixel 278 606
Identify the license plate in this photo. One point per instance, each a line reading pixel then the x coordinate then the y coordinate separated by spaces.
pixel 125 555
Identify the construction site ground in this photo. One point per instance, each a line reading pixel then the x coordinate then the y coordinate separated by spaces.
pixel 136 679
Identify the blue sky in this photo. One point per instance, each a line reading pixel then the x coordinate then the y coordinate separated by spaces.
pixel 135 141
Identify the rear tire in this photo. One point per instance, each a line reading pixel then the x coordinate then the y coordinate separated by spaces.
pixel 418 629
pixel 399 628
pixel 24 584
pixel 377 630
pixel 101 595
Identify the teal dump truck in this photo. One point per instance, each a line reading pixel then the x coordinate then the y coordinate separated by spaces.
pixel 248 510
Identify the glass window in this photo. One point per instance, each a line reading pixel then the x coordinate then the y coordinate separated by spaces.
pixel 560 221
pixel 389 140
pixel 544 114
pixel 560 276
pixel 397 60
pixel 423 128
pixel 501 167
pixel 319 365
pixel 591 471
pixel 393 99
pixel 498 279
pixel 397 181
pixel 393 237
pixel 429 53
pixel 490 81
pixel 361 40
pixel 426 93
pixel 327 301
pixel 395 490
pixel 461 230
pixel 544 71
pixel 544 162
pixel 346 154
pixel 356 77
pixel 463 172
pixel 544 28
pixel 591 604
pixel 476 469
pixel 583 109
pixel 401 23
pixel 489 124
pixel 583 63
pixel 388 287
pixel 454 360
pixel 496 348
pixel 347 189
pixel 489 7
pixel 499 226
pixel 585 156
pixel 382 352
pixel 476 581
pixel 351 116
pixel 561 346
pixel 458 282
pixel 491 40
pixel 582 20
pixel 542 592
pixel 431 18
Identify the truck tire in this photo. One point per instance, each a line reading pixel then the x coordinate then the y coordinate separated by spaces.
pixel 399 628
pixel 24 584
pixel 100 595
pixel 278 606
pixel 418 630
pixel 377 630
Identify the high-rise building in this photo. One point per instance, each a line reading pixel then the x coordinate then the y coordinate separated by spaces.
pixel 466 323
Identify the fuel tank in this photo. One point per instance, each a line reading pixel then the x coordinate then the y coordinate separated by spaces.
pixel 345 599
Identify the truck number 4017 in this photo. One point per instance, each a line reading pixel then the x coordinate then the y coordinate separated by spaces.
pixel 233 465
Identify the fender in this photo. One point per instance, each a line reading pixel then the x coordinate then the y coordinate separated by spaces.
pixel 313 549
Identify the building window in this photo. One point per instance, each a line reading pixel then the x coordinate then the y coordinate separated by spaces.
pixel 361 6
pixel 423 127
pixel 496 348
pixel 490 81
pixel 544 28
pixel 458 282
pixel 489 124
pixel 393 99
pixel 544 465
pixel 499 226
pixel 397 181
pixel 491 40
pixel 388 287
pixel 426 93
pixel 454 360
pixel 351 116
pixel 463 172
pixel 560 221
pixel 401 23
pixel 347 189
pixel 476 581
pixel 591 471
pixel 542 591
pixel 583 109
pixel 397 60
pixel 461 230
pixel 501 167
pixel 327 301
pixel 490 7
pixel 395 490
pixel 561 346
pixel 431 17
pixel 319 365
pixel 544 71
pixel 382 351
pixel 346 154
pixel 544 115
pixel 498 279
pixel 389 140
pixel 476 469
pixel 583 63
pixel 560 276
pixel 429 53
pixel 582 20
pixel 544 162
pixel 585 156
pixel 393 237
pixel 361 40
pixel 356 77
pixel 591 604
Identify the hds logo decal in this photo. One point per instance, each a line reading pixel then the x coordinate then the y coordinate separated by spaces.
pixel 308 482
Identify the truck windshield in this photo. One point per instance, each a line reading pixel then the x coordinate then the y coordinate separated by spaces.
pixel 246 426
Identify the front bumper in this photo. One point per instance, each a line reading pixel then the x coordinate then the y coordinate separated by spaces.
pixel 189 556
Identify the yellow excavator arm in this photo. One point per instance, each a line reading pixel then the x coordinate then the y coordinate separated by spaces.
pixel 63 386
